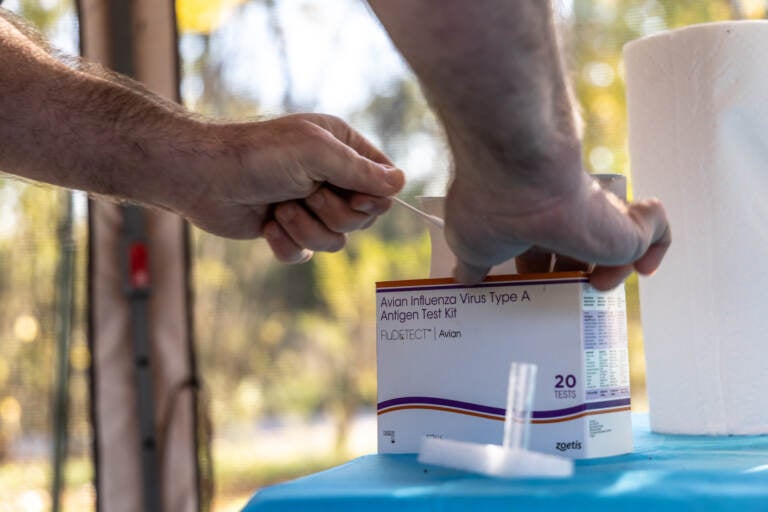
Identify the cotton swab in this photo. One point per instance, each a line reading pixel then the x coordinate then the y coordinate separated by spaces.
pixel 437 221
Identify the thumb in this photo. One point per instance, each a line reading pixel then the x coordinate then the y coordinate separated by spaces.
pixel 655 218
pixel 344 166
pixel 469 274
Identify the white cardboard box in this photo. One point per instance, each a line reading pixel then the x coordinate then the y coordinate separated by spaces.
pixel 444 352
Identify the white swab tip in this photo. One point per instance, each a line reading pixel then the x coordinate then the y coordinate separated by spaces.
pixel 437 221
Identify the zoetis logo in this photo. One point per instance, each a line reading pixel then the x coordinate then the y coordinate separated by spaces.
pixel 573 445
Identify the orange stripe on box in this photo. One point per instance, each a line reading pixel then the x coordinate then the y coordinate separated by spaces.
pixel 444 409
pixel 489 279
pixel 497 418
pixel 577 416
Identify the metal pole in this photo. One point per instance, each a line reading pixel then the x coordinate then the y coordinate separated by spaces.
pixel 64 308
pixel 135 236
pixel 137 287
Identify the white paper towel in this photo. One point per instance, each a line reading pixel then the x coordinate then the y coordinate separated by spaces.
pixel 698 139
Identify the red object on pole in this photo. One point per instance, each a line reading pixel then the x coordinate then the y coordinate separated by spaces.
pixel 138 259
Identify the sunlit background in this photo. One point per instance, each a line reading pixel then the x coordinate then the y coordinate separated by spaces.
pixel 287 353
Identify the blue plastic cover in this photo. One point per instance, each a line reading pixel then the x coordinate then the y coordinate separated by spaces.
pixel 665 473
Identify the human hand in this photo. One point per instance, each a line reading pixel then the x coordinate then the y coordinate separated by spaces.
pixel 557 208
pixel 536 260
pixel 302 181
pixel 499 89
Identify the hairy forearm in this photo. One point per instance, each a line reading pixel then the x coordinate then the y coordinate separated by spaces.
pixel 302 181
pixel 491 69
pixel 83 129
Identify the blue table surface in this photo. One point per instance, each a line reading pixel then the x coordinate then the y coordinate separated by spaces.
pixel 663 473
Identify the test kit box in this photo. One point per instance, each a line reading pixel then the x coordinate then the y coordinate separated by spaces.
pixel 444 350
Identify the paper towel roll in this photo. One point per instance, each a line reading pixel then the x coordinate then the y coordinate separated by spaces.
pixel 698 140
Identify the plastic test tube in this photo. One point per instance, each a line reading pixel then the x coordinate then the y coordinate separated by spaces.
pixel 517 420
pixel 512 459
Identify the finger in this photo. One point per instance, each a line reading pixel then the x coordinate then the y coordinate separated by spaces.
pixel 305 230
pixel 651 219
pixel 341 165
pixel 567 264
pixel 469 274
pixel 351 137
pixel 613 233
pixel 661 238
pixel 368 224
pixel 652 239
pixel 371 205
pixel 365 203
pixel 344 215
pixel 283 246
pixel 651 260
pixel 533 261
pixel 335 212
pixel 606 278
pixel 365 148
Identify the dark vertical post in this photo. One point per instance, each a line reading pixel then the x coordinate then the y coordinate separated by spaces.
pixel 136 270
pixel 65 284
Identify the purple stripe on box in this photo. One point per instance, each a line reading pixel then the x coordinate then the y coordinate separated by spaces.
pixel 555 413
pixel 408 400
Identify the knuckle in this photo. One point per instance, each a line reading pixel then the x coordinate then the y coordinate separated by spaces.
pixel 337 225
pixel 309 133
pixel 343 224
pixel 337 244
pixel 330 122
